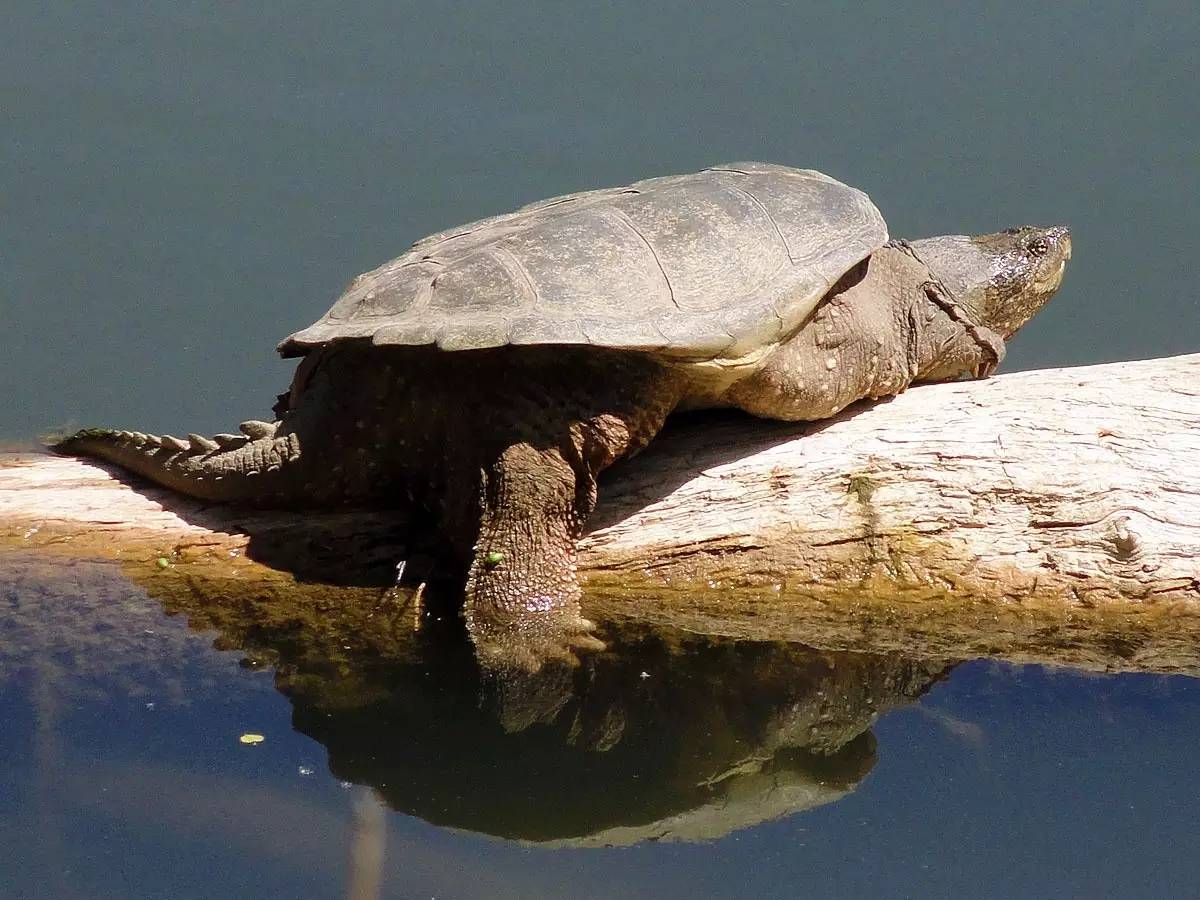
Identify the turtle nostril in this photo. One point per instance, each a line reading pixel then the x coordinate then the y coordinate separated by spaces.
pixel 1062 236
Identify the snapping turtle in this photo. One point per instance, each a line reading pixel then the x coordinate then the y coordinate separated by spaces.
pixel 494 370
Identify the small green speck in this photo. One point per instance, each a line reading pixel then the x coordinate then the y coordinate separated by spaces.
pixel 494 558
pixel 162 562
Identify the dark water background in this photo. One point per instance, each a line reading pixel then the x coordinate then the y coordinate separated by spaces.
pixel 183 184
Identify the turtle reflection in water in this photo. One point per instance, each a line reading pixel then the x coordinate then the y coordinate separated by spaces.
pixel 494 370
pixel 670 736
pixel 665 737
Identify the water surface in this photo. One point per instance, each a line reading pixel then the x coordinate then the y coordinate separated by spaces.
pixel 675 766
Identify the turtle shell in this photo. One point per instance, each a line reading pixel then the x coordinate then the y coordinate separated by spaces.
pixel 710 265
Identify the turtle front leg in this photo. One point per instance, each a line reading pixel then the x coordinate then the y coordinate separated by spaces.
pixel 531 431
pixel 522 596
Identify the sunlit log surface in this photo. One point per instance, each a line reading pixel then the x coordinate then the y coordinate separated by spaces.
pixel 1050 515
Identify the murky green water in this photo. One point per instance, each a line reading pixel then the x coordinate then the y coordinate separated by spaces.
pixel 181 185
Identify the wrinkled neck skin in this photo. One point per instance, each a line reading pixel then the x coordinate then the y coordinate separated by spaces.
pixel 1001 279
pixel 927 311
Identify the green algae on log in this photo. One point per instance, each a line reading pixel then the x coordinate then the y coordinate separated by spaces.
pixel 1051 515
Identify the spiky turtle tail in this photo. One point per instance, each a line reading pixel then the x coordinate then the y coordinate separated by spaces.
pixel 261 466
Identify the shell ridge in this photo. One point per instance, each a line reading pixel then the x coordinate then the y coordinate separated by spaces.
pixel 517 271
pixel 623 217
pixel 770 218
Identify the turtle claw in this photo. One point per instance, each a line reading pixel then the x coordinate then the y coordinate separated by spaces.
pixel 585 639
pixel 568 645
pixel 529 641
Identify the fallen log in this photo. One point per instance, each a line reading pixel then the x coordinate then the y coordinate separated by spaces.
pixel 1050 515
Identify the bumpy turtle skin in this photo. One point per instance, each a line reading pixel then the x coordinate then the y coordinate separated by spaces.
pixel 504 446
pixel 263 471
pixel 517 503
pixel 870 340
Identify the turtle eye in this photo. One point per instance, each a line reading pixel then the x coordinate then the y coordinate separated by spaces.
pixel 1039 247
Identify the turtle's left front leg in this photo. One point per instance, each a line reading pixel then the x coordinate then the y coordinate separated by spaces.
pixel 551 431
pixel 522 595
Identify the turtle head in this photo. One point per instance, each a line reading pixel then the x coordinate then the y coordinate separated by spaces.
pixel 1002 279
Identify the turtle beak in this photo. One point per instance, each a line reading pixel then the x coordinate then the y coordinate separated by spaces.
pixel 1048 275
pixel 1060 239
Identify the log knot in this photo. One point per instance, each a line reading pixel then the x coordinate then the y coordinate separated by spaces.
pixel 1126 544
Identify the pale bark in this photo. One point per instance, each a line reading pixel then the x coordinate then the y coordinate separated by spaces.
pixel 1051 514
